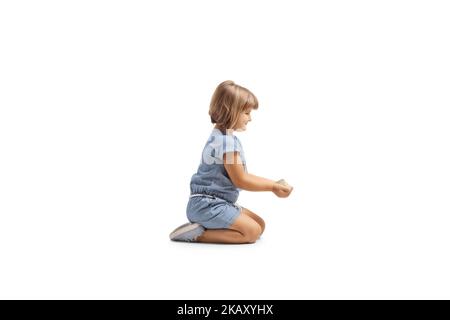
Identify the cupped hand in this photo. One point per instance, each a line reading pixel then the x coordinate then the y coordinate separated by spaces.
pixel 282 190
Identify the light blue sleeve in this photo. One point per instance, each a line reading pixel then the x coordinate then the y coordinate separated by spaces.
pixel 225 144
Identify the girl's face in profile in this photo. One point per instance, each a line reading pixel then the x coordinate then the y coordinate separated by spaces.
pixel 244 118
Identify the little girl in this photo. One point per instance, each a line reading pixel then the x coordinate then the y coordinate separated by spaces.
pixel 214 215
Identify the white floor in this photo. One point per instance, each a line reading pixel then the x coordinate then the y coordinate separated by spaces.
pixel 324 251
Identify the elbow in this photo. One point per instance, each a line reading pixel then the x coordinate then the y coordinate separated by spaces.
pixel 240 182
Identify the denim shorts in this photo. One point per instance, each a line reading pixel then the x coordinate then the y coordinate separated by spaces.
pixel 212 212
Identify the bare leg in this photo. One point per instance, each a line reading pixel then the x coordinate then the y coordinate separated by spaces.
pixel 255 217
pixel 243 230
pixel 221 236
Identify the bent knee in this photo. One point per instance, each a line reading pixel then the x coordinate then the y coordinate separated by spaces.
pixel 252 233
pixel 256 218
pixel 262 225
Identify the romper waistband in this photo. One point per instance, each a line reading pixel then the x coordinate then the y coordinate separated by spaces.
pixel 214 197
pixel 205 195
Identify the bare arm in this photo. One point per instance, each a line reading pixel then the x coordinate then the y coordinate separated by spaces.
pixel 244 180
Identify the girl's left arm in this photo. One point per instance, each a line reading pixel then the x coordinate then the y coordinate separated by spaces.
pixel 244 180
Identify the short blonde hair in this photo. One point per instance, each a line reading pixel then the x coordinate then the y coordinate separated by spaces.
pixel 228 102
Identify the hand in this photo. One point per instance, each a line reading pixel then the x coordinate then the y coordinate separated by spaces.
pixel 282 189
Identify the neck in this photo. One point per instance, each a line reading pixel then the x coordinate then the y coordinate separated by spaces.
pixel 223 130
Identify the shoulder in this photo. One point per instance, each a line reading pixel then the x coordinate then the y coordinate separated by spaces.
pixel 222 140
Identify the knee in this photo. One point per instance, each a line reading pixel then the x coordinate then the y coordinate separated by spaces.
pixel 252 233
pixel 262 225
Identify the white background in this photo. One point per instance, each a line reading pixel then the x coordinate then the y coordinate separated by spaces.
pixel 104 114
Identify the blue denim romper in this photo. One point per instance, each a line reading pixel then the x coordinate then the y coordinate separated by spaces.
pixel 212 202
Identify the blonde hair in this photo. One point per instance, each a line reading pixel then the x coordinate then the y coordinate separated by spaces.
pixel 228 102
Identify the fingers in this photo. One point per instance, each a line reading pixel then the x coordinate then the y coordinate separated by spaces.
pixel 284 192
pixel 286 187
